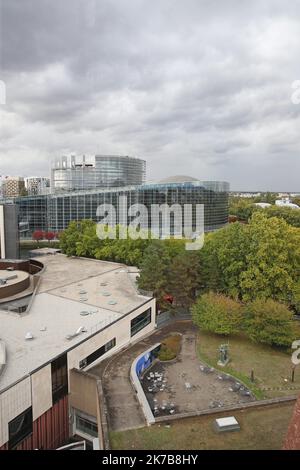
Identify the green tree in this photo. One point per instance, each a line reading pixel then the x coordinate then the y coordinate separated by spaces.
pixel 223 259
pixel 270 322
pixel 154 270
pixel 243 208
pixel 184 278
pixel 272 260
pixel 217 313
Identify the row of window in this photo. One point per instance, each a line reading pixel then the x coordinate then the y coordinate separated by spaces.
pixel 21 426
pixel 98 353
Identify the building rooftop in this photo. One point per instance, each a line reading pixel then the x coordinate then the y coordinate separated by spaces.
pixel 73 293
pixel 177 179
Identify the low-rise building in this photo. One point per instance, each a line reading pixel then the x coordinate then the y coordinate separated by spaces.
pixel 80 312
pixel 13 186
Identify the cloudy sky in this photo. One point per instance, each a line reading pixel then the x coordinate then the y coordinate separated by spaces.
pixel 196 87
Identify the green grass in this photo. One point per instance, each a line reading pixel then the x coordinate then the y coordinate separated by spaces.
pixel 271 366
pixel 263 428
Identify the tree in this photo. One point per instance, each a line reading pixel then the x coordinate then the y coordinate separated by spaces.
pixel 217 314
pixel 270 322
pixel 49 236
pixel 257 260
pixel 183 278
pixel 272 260
pixel 296 297
pixel 38 235
pixel 154 270
pixel 242 208
pixel 223 259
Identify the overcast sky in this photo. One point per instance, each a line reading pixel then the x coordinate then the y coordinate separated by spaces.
pixel 195 87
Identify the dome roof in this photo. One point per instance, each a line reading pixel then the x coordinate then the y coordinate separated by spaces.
pixel 177 179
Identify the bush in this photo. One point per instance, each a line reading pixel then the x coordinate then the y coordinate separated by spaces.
pixel 217 314
pixel 270 322
pixel 170 348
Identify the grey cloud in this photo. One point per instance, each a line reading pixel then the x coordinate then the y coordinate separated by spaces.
pixel 196 86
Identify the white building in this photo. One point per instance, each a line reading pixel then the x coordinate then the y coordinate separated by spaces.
pixel 81 312
pixel 37 185
pixel 286 202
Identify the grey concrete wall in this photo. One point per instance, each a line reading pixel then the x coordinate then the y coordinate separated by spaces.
pixel 11 231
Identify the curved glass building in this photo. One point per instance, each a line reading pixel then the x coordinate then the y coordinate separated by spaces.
pixel 55 211
pixel 70 173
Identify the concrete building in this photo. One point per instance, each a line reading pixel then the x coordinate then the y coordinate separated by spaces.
pixel 13 186
pixel 80 312
pixel 37 185
pixel 9 231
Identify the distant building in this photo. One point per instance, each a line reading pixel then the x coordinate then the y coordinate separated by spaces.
pixel 13 186
pixel 286 202
pixel 71 173
pixel 245 195
pixel 54 212
pixel 37 185
pixel 263 205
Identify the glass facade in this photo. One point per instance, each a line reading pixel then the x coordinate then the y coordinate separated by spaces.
pixel 102 171
pixel 55 211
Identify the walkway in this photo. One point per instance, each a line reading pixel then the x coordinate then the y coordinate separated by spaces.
pixel 124 411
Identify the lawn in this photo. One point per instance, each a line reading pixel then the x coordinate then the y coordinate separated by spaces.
pixel 263 428
pixel 271 366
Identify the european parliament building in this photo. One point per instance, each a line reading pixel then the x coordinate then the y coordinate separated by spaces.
pixel 79 188
pixel 54 212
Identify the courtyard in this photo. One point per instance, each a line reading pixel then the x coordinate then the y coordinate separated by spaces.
pixel 186 385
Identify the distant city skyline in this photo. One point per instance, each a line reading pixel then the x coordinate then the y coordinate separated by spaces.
pixel 195 88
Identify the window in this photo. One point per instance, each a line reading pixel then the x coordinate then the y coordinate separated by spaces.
pixel 86 426
pixel 140 322
pixel 59 372
pixel 98 353
pixel 20 428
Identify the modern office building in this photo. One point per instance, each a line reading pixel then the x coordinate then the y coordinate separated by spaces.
pixel 80 312
pixel 71 173
pixel 55 211
pixel 13 186
pixel 37 185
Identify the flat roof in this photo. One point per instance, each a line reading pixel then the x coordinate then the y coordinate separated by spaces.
pixel 73 293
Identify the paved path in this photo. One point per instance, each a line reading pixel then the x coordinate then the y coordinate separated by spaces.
pixel 124 411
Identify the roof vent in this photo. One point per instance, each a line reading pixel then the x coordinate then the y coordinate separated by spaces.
pixel 81 329
pixel 29 336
